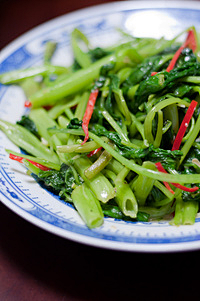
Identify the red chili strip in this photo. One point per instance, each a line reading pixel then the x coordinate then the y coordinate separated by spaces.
pixel 16 158
pixel 184 125
pixel 94 152
pixel 161 169
pixel 42 167
pixel 193 189
pixel 88 113
pixel 153 73
pixel 184 188
pixel 190 42
pixel 20 160
pixel 28 104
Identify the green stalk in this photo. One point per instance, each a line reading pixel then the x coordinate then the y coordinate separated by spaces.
pixel 99 184
pixel 24 139
pixel 63 122
pixel 58 109
pixel 115 126
pixel 124 138
pixel 171 114
pixel 71 84
pixel 31 168
pixel 30 86
pixel 142 186
pixel 78 148
pixel 157 213
pixel 69 113
pixel 81 107
pixel 37 160
pixel 120 177
pixel 150 116
pixel 126 199
pixel 140 127
pixel 188 144
pixel 98 165
pixel 87 206
pixel 192 79
pixel 186 137
pixel 164 190
pixel 158 137
pixel 17 76
pixel 190 212
pixel 171 178
pixel 81 57
pixel 185 212
pixel 42 121
pixel 124 73
pixel 122 105
pixel 114 166
pixel 50 48
pixel 56 141
pixel 109 174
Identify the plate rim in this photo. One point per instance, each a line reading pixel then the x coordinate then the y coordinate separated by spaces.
pixel 96 242
pixel 127 4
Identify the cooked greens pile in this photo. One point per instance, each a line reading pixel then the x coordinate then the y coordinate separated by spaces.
pixel 117 132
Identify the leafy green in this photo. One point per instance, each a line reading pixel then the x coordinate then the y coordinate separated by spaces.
pixel 98 53
pixel 61 181
pixel 144 70
pixel 182 90
pixel 164 82
pixel 114 84
pixel 186 55
pixel 74 123
pixel 191 168
pixel 156 195
pixel 194 196
pixel 168 158
pixel 113 211
pixel 27 123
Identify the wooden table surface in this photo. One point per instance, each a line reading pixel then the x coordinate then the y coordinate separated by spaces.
pixel 36 265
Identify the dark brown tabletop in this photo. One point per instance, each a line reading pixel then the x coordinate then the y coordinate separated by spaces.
pixel 36 265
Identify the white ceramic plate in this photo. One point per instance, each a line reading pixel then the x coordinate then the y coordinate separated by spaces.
pixel 20 192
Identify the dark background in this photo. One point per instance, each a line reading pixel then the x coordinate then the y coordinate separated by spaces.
pixel 18 16
pixel 36 265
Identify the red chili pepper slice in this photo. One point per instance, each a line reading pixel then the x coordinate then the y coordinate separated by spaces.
pixel 193 189
pixel 28 104
pixel 94 152
pixel 19 159
pixel 88 113
pixel 184 125
pixel 190 42
pixel 184 188
pixel 161 169
pixel 16 158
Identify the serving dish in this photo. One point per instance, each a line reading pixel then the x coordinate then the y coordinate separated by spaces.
pixel 20 192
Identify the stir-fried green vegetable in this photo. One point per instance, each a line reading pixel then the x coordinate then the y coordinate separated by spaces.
pixel 117 132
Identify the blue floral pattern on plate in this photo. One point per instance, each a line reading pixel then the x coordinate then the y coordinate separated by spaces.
pixel 25 196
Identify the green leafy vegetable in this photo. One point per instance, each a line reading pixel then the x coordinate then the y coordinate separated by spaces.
pixel 129 101
pixel 61 181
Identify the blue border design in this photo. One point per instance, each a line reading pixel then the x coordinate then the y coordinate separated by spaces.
pixel 21 57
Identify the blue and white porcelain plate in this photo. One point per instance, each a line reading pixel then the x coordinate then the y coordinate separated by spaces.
pixel 20 192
